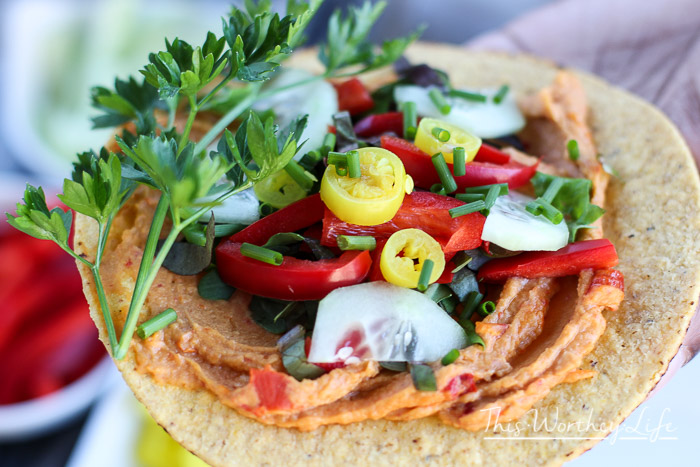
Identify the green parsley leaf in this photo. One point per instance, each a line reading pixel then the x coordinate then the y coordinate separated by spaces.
pixel 34 218
pixel 130 101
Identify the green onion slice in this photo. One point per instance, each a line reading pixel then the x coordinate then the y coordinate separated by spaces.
pixel 356 242
pixel 446 178
pixel 472 336
pixel 470 197
pixel 425 272
pixel 439 100
pixel 155 324
pixel 491 196
pixel 470 96
pixel 486 308
pixel 328 144
pixel 410 120
pixel 338 159
pixel 423 377
pixel 572 147
pixel 354 168
pixel 551 192
pixel 437 188
pixel 450 357
pixel 484 189
pixel 310 159
pixel 468 208
pixel 301 176
pixel 262 254
pixel 470 304
pixel 459 161
pixel 502 91
pixel 441 134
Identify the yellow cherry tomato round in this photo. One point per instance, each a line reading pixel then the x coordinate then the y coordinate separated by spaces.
pixel 430 144
pixel 373 198
pixel 279 190
pixel 404 254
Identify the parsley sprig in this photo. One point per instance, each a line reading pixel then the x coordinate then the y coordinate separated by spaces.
pixel 186 79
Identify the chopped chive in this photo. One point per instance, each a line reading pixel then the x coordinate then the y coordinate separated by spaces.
pixel 356 242
pixel 423 377
pixel 338 159
pixel 425 272
pixel 354 168
pixel 460 260
pixel 502 91
pixel 266 209
pixel 341 171
pixel 467 209
pixel 459 161
pixel 225 230
pixel 410 120
pixel 437 188
pixel 534 208
pixel 552 190
pixel 155 324
pixel 310 159
pixel 328 144
pixel 491 196
pixel 551 213
pixel 470 96
pixel 470 304
pixel 484 189
pixel 450 357
pixel 441 134
pixel 486 308
pixel 469 197
pixel 439 100
pixel 262 254
pixel 472 336
pixel 301 176
pixel 572 147
pixel 446 178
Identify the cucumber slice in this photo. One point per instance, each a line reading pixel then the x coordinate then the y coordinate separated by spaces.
pixel 384 322
pixel 510 226
pixel 485 120
pixel 316 98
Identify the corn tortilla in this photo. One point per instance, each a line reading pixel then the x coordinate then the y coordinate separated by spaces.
pixel 652 218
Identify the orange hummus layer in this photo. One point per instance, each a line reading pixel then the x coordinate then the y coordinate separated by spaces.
pixel 536 339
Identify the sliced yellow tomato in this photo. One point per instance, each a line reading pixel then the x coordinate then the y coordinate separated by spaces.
pixel 430 144
pixel 374 197
pixel 279 190
pixel 405 253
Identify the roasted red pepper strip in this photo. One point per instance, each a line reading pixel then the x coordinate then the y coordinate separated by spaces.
pixel 294 279
pixel 376 125
pixel 572 259
pixel 419 166
pixel 422 210
pixel 296 216
pixel 353 96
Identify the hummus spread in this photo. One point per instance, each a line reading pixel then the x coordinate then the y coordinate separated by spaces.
pixel 536 339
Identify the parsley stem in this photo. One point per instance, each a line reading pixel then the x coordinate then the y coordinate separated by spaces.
pixel 184 139
pixel 226 120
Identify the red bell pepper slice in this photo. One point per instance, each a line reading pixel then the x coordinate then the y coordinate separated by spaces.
pixel 353 96
pixel 491 154
pixel 422 210
pixel 375 125
pixel 419 165
pixel 296 216
pixel 294 279
pixel 572 259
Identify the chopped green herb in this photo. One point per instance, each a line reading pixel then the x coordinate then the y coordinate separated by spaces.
pixel 354 168
pixel 438 189
pixel 446 178
pixel 470 330
pixel 469 208
pixel 470 96
pixel 328 144
pixel 155 324
pixel 470 304
pixel 450 357
pixel 439 100
pixel 484 189
pixel 425 272
pixel 572 147
pixel 305 179
pixel 470 197
pixel 493 194
pixel 441 134
pixel 486 308
pixel 261 254
pixel 423 377
pixel 410 120
pixel 359 242
pixel 459 161
pixel 502 91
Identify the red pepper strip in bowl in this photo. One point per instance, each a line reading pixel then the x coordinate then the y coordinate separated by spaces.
pixel 353 96
pixel 296 216
pixel 420 166
pixel 421 210
pixel 375 125
pixel 294 279
pixel 572 259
